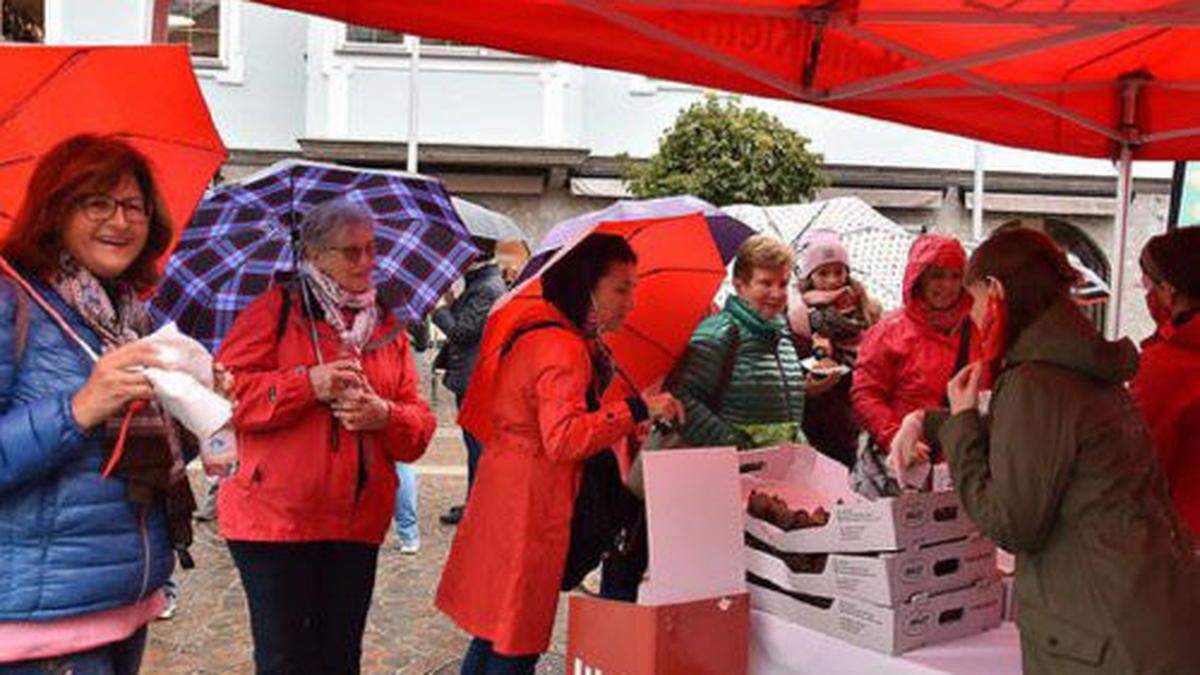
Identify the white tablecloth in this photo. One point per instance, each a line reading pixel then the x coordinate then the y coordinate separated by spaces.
pixel 781 648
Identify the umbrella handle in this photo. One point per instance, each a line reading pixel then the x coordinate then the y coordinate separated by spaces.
pixel 312 324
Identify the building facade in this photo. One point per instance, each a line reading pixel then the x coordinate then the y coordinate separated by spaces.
pixel 539 139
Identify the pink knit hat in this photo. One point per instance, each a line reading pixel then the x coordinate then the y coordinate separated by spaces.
pixel 821 247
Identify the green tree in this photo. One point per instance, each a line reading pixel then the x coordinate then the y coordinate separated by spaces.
pixel 724 153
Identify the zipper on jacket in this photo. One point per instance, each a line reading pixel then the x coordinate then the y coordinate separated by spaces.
pixel 145 532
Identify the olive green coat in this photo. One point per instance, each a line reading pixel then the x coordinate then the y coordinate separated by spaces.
pixel 1061 472
pixel 740 381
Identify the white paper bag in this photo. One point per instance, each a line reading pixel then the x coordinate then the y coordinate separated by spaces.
pixel 184 389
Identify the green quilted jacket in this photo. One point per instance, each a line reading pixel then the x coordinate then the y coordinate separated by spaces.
pixel 757 365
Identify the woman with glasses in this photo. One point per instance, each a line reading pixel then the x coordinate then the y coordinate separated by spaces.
pixel 327 403
pixel 83 558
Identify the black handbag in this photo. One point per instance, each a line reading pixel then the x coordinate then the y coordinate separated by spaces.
pixel 607 521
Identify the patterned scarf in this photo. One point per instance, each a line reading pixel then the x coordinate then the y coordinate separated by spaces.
pixel 335 301
pixel 153 459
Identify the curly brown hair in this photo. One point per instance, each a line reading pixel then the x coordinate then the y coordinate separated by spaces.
pixel 79 166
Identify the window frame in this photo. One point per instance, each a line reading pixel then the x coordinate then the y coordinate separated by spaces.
pixel 228 65
pixel 345 45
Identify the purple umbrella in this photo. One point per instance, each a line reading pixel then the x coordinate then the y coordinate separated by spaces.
pixel 727 232
pixel 242 238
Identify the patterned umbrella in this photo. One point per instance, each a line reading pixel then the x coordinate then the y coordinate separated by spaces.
pixel 727 232
pixel 878 246
pixel 241 239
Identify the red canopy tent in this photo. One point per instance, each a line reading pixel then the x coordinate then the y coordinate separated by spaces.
pixel 1097 78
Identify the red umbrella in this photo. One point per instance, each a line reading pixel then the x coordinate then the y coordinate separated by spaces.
pixel 147 96
pixel 1098 78
pixel 679 270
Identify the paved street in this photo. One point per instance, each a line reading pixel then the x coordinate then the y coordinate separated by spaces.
pixel 405 634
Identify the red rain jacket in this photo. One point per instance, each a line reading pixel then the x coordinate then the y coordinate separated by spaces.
pixel 1167 389
pixel 904 363
pixel 299 469
pixel 501 581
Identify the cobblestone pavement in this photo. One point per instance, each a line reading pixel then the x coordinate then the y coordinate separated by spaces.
pixel 405 634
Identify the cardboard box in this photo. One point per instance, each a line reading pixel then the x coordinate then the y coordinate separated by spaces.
pixel 704 637
pixel 923 621
pixel 888 579
pixel 693 613
pixel 807 479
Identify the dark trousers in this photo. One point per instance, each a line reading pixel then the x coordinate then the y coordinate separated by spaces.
pixel 308 603
pixel 474 449
pixel 118 658
pixel 481 660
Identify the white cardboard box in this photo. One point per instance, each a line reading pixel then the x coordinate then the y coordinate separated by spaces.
pixel 807 479
pixel 693 526
pixel 928 620
pixel 888 579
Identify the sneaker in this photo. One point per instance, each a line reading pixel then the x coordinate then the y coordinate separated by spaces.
pixel 172 595
pixel 410 547
pixel 452 516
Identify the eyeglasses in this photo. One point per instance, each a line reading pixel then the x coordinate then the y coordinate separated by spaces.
pixel 102 207
pixel 352 254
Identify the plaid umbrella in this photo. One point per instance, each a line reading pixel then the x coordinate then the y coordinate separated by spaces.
pixel 242 235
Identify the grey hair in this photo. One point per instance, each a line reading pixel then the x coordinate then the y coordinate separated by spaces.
pixel 327 219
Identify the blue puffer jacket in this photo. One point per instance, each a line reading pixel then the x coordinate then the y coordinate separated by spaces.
pixel 70 542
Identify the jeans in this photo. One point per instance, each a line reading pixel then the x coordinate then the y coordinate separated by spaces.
pixel 118 658
pixel 308 603
pixel 406 505
pixel 481 660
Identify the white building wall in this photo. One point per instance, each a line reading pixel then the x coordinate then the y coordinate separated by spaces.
pixel 257 93
pixel 92 22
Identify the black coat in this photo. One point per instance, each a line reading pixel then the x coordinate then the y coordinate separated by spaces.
pixel 463 322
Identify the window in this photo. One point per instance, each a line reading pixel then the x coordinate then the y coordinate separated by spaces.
pixel 22 21
pixel 197 24
pixel 362 38
pixel 373 36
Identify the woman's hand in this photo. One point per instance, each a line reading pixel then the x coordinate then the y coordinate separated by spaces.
pixel 331 380
pixel 223 382
pixel 963 389
pixel 664 407
pixel 908 446
pixel 114 382
pixel 362 410
pixel 816 386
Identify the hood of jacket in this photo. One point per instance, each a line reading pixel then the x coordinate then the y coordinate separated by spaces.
pixel 927 251
pixel 1063 336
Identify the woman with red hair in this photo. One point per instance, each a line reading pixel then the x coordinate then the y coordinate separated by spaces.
pixel 1060 471
pixel 85 556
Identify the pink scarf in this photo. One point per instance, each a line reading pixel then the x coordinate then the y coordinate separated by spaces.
pixel 335 300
